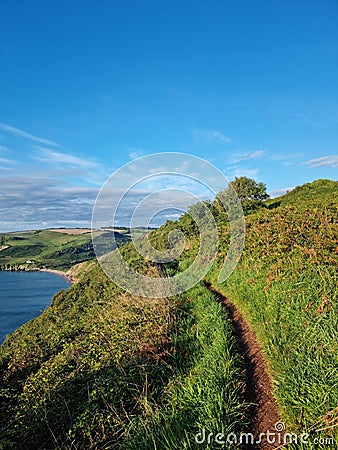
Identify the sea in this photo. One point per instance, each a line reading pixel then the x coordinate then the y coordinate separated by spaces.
pixel 24 296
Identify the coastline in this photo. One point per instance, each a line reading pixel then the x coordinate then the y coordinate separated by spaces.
pixel 60 273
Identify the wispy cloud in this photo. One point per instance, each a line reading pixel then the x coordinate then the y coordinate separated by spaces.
pixel 309 121
pixel 317 119
pixel 207 136
pixel 323 161
pixel 68 166
pixel 283 156
pixel 235 171
pixel 32 202
pixel 40 202
pixel 7 161
pixel 7 164
pixel 49 156
pixel 24 134
pixel 3 149
pixel 135 153
pixel 257 154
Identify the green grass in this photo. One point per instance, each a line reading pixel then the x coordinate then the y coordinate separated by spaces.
pixel 49 249
pixel 79 370
pixel 205 391
pixel 307 192
pixel 103 369
pixel 286 286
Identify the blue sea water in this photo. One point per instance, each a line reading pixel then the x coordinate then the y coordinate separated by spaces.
pixel 24 295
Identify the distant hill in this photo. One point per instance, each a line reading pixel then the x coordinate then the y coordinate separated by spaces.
pixel 51 249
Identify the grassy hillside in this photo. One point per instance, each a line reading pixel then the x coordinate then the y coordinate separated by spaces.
pixel 286 286
pixel 307 192
pixel 103 369
pixel 51 249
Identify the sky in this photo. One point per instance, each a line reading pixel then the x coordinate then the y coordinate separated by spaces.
pixel 87 87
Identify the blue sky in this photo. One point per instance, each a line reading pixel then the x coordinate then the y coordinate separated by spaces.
pixel 87 86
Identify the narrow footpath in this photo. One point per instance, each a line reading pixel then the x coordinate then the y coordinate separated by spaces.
pixel 263 411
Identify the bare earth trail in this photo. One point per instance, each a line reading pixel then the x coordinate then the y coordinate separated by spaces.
pixel 264 412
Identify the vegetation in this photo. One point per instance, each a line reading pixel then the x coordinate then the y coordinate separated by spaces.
pixel 51 249
pixel 307 192
pixel 250 193
pixel 285 284
pixel 103 369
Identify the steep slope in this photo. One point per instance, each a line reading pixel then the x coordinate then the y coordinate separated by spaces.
pixel 286 287
pixel 104 369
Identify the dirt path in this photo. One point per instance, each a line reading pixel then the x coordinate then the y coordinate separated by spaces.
pixel 264 410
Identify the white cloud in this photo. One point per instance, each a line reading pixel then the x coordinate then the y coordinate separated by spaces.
pixel 235 171
pixel 257 154
pixel 281 157
pixel 278 157
pixel 35 202
pixel 24 134
pixel 27 202
pixel 207 136
pixel 135 153
pixel 68 166
pixel 7 161
pixel 330 160
pixel 265 153
pixel 49 156
pixel 7 164
pixel 173 216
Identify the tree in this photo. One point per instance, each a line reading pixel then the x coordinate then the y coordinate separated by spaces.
pixel 250 193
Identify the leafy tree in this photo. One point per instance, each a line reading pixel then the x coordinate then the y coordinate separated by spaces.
pixel 250 193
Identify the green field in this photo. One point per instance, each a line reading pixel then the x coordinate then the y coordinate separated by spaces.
pixel 102 369
pixel 50 249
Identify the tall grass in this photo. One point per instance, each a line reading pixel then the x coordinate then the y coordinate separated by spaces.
pixel 205 391
pixel 103 369
pixel 286 287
